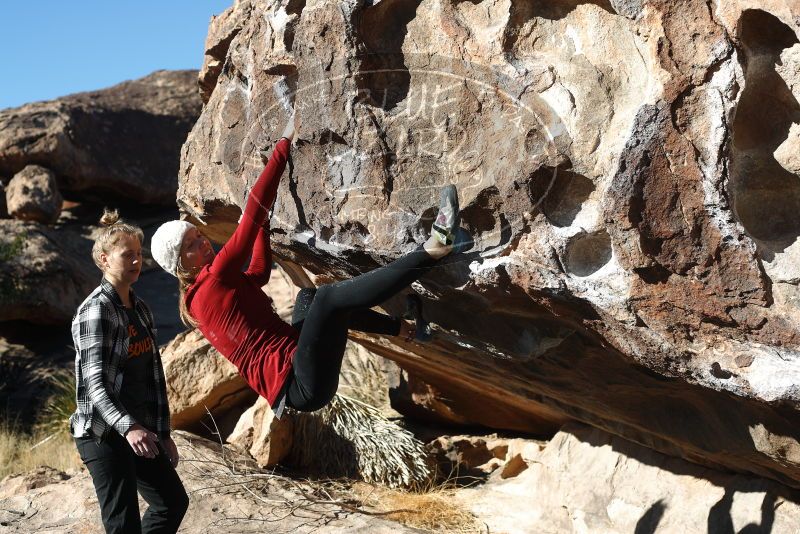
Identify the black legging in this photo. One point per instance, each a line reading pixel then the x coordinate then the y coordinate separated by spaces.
pixel 335 308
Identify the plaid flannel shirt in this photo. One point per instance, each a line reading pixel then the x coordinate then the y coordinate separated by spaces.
pixel 100 335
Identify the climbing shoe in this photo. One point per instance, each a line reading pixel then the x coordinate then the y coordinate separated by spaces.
pixel 447 220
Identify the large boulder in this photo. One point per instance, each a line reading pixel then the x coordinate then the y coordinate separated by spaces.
pixel 221 31
pixel 120 142
pixel 33 195
pixel 45 273
pixel 449 403
pixel 635 262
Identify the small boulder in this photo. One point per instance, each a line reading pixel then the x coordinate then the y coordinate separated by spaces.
pixel 267 438
pixel 33 195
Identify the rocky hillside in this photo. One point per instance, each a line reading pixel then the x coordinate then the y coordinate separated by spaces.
pixel 116 147
pixel 118 142
pixel 627 170
pixel 61 162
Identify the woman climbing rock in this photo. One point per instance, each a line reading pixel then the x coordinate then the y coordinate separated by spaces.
pixel 296 366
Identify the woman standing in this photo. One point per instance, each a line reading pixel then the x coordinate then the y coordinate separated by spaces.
pixel 295 365
pixel 121 425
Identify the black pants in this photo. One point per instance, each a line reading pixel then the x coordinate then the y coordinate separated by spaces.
pixel 335 308
pixel 117 473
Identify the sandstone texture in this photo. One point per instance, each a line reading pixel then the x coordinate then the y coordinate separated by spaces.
pixel 45 273
pixel 625 170
pixel 33 195
pixel 486 454
pixel 267 438
pixel 37 478
pixel 120 143
pixel 585 480
pixel 788 68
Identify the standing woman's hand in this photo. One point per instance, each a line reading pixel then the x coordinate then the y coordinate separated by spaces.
pixel 172 451
pixel 142 441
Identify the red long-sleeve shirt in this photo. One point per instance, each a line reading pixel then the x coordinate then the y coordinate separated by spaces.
pixel 233 313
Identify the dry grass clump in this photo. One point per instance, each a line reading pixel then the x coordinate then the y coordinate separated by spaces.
pixel 433 510
pixel 349 438
pixel 49 442
pixel 269 497
pixel 21 452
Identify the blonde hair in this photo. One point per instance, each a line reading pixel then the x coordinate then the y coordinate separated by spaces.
pixel 185 280
pixel 110 235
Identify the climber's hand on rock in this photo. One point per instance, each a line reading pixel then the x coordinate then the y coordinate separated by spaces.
pixel 291 127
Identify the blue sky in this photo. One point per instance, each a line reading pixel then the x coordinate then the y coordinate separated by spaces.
pixel 51 48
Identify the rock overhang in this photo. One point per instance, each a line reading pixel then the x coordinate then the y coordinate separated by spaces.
pixel 613 279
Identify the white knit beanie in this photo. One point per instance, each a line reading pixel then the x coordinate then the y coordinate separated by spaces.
pixel 166 244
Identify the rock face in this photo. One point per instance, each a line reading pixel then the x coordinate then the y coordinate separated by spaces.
pixel 585 480
pixel 33 195
pixel 120 142
pixel 38 478
pixel 625 169
pixel 44 273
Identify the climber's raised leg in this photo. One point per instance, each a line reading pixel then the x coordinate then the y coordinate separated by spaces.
pixel 318 358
